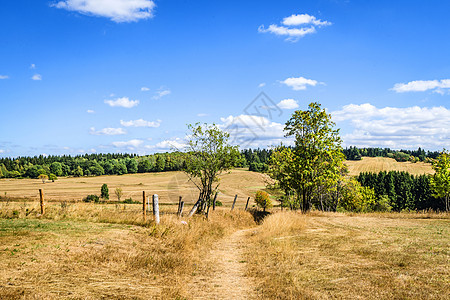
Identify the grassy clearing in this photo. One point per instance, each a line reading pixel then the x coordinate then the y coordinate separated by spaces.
pixel 323 256
pixel 377 164
pixel 96 251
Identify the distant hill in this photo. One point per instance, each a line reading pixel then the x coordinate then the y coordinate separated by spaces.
pixel 377 164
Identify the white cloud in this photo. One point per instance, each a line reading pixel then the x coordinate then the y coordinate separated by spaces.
pixel 295 27
pixel 262 84
pixel 295 20
pixel 131 144
pixel 122 102
pixel 108 131
pixel 422 86
pixel 32 66
pixel 145 89
pixel 288 104
pixel 202 115
pixel 37 77
pixel 2 151
pixel 161 93
pixel 249 131
pixel 4 77
pixel 140 123
pixel 168 145
pixel 116 10
pixel 299 83
pixel 408 127
pixel 90 111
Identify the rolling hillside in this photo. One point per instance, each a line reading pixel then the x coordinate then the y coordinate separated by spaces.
pixel 377 164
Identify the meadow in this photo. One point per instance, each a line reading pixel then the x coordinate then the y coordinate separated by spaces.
pixel 83 250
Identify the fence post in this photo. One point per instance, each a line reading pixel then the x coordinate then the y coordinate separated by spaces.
pixel 156 208
pixel 179 204
pixel 148 203
pixel 41 200
pixel 144 207
pixel 246 205
pixel 234 202
pixel 180 211
pixel 214 201
pixel 194 208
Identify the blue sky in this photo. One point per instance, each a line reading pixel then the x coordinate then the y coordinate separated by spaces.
pixel 127 76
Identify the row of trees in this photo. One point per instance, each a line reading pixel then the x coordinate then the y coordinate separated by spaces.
pixel 355 153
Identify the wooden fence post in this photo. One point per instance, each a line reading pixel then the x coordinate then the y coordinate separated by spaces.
pixel 234 202
pixel 41 200
pixel 214 201
pixel 179 204
pixel 246 205
pixel 156 208
pixel 144 207
pixel 180 211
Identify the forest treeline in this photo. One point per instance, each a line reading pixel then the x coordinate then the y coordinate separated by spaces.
pixel 355 153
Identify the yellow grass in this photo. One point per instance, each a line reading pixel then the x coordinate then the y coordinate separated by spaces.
pixel 69 254
pixel 168 185
pixel 377 164
pixel 329 255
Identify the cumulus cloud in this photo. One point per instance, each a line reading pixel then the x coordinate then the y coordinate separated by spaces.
pixel 107 131
pixel 295 27
pixel 145 89
pixel 409 127
pixel 131 144
pixel 140 123
pixel 122 102
pixel 250 131
pixel 288 104
pixel 32 66
pixel 262 84
pixel 168 145
pixel 4 77
pixel 90 111
pixel 299 83
pixel 422 86
pixel 202 115
pixel 161 93
pixel 116 10
pixel 37 77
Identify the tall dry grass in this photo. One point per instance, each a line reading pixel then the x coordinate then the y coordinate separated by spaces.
pixel 93 251
pixel 357 256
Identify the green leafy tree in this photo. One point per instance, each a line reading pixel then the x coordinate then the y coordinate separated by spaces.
pixel 262 199
pixel 440 182
pixel 78 172
pixel 52 177
pixel 208 155
pixel 119 193
pixel 315 161
pixel 104 192
pixel 56 168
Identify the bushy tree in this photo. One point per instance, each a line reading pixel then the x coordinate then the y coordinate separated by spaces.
pixel 119 193
pixel 315 161
pixel 43 177
pixel 262 199
pixel 440 182
pixel 104 192
pixel 52 177
pixel 56 168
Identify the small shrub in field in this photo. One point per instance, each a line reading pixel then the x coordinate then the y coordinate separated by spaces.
pixel 105 192
pixel 128 201
pixel 218 203
pixel 262 199
pixel 91 198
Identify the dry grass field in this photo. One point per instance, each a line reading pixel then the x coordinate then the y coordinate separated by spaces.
pixel 168 185
pixel 338 256
pixel 377 164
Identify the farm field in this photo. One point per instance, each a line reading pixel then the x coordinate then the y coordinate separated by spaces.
pixel 377 164
pixel 168 185
pixel 93 251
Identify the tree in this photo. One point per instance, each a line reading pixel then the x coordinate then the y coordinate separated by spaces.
pixel 118 193
pixel 56 168
pixel 52 177
pixel 440 182
pixel 78 172
pixel 104 191
pixel 262 199
pixel 315 161
pixel 43 177
pixel 208 155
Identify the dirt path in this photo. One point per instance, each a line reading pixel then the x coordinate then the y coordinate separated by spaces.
pixel 225 276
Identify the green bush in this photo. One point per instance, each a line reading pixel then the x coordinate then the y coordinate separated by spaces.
pixel 262 199
pixel 105 192
pixel 91 198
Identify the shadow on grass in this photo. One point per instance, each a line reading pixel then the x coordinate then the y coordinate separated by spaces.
pixel 258 215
